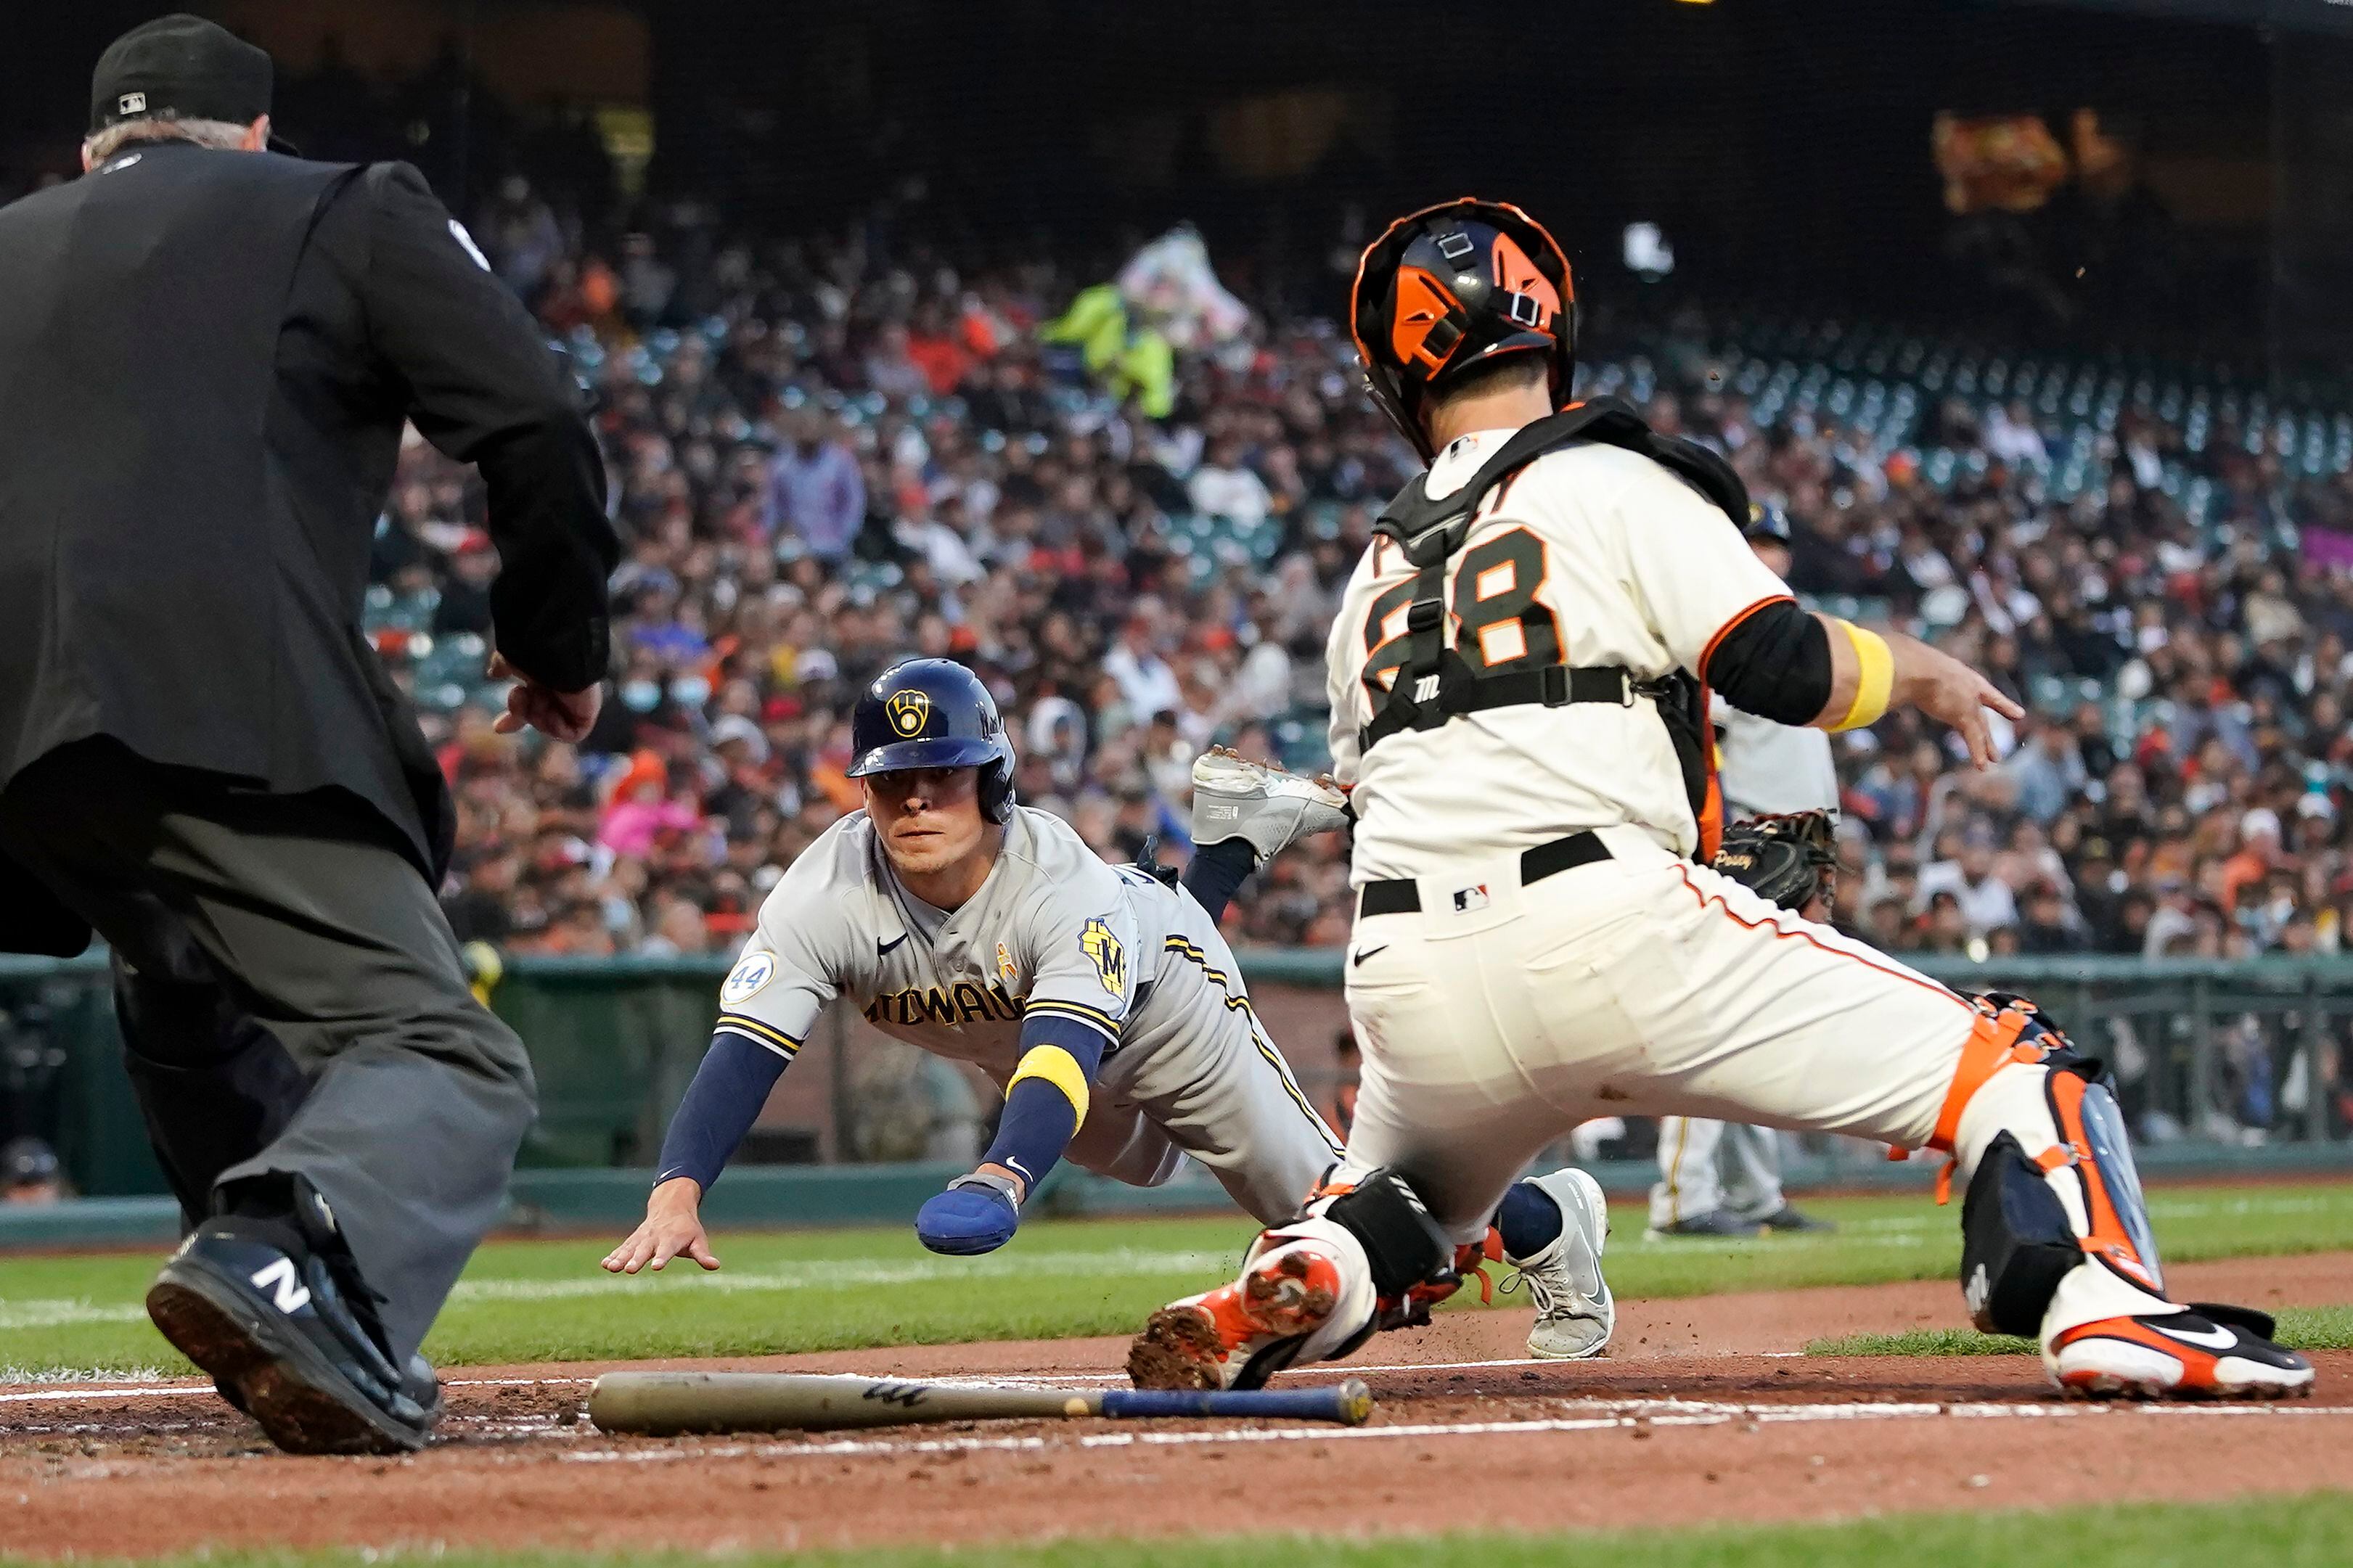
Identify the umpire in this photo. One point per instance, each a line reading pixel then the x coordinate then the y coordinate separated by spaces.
pixel 207 350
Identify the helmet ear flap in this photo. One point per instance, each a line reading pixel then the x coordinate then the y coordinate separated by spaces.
pixel 996 790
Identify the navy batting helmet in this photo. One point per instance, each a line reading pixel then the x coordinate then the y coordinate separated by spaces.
pixel 1766 522
pixel 1457 285
pixel 934 713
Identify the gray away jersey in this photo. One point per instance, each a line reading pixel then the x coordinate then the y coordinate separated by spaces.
pixel 1771 770
pixel 1055 931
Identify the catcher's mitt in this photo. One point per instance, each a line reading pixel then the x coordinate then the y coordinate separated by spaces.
pixel 1786 860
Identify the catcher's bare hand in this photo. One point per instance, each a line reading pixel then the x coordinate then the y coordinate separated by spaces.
pixel 1949 691
pixel 559 715
pixel 672 1228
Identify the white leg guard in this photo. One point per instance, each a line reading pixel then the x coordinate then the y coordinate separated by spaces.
pixel 2095 1186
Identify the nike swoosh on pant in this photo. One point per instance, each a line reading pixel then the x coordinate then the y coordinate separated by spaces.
pixel 1370 951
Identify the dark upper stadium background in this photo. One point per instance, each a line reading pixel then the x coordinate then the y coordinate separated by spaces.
pixel 1782 148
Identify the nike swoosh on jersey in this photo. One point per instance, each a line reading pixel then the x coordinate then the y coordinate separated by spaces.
pixel 2204 1338
pixel 1370 951
pixel 884 949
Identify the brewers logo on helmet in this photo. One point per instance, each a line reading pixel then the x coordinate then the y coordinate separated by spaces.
pixel 908 710
pixel 1456 286
pixel 934 713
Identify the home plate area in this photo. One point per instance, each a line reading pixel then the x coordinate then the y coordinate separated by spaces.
pixel 1705 1411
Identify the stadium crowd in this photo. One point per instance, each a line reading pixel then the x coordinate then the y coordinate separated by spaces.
pixel 829 452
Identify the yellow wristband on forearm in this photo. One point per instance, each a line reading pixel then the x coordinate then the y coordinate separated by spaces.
pixel 1059 1067
pixel 1878 682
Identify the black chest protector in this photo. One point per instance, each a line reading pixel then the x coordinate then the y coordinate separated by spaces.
pixel 1435 682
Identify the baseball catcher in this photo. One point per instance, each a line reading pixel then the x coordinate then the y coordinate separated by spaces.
pixel 1519 678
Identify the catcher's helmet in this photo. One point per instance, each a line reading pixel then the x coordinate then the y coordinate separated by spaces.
pixel 1454 286
pixel 934 713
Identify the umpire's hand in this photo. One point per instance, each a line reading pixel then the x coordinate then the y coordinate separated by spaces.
pixel 560 715
pixel 672 1228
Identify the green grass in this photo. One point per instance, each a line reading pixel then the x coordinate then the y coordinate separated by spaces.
pixel 2315 1530
pixel 546 1300
pixel 2300 1328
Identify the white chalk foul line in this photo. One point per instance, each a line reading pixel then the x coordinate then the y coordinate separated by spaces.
pixel 1024 1381
pixel 1636 1414
pixel 51 1312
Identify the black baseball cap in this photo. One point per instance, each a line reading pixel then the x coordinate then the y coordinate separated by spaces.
pixel 181 68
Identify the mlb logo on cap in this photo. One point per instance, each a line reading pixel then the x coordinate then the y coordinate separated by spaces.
pixel 130 103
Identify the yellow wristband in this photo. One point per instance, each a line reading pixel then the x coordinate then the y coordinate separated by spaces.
pixel 1878 682
pixel 1059 1067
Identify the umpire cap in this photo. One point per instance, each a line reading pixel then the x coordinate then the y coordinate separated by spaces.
pixel 934 713
pixel 182 67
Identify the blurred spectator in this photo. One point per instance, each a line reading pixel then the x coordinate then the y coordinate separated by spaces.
pixel 816 492
pixel 29 1173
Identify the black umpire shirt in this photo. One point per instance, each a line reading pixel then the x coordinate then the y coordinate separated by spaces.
pixel 206 361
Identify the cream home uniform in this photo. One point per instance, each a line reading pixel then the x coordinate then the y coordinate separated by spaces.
pixel 1054 931
pixel 1766 770
pixel 1497 1014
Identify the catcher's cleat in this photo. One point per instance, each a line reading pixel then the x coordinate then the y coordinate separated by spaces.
pixel 1790 1220
pixel 1239 1335
pixel 1234 798
pixel 1715 1224
pixel 1575 1311
pixel 2202 1351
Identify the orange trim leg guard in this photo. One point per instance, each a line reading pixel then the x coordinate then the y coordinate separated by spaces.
pixel 2109 1240
pixel 1993 1044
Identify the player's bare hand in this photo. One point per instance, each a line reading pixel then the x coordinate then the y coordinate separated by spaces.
pixel 559 715
pixel 1947 690
pixel 672 1228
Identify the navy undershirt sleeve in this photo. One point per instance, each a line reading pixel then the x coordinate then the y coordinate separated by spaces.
pixel 1039 1120
pixel 720 1107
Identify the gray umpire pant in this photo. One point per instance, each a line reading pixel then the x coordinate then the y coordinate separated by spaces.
pixel 294 1004
pixel 1706 1164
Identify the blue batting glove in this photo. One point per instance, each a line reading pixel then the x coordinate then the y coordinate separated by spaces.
pixel 977 1215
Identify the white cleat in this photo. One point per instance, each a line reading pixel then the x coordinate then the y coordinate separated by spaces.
pixel 1234 798
pixel 2201 1352
pixel 1575 1312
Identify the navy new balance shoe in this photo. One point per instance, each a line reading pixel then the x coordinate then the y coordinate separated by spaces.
pixel 419 1381
pixel 281 1323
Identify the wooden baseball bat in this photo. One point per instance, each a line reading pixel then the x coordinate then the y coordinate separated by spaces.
pixel 667 1403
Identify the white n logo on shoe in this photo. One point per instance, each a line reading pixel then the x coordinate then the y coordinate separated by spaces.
pixel 287 1291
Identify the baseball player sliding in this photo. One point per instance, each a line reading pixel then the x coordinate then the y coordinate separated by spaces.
pixel 1100 998
pixel 1723 1178
pixel 1519 676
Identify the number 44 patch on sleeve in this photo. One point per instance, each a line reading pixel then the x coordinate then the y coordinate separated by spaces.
pixel 1103 950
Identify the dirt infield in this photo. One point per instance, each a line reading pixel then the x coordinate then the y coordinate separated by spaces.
pixel 1701 1413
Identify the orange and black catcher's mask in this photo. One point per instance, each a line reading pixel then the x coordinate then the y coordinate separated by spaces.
pixel 1455 286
